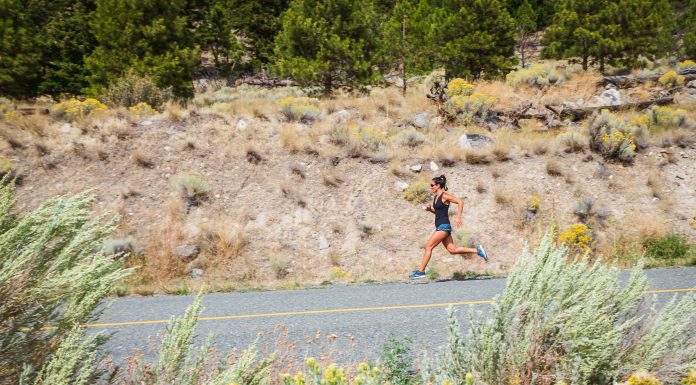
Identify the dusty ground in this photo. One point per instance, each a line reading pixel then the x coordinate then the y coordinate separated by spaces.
pixel 306 213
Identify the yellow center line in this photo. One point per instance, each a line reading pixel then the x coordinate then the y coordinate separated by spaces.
pixel 327 311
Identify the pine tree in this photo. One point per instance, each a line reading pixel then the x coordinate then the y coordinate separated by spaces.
pixel 258 22
pixel 690 33
pixel 475 38
pixel 329 43
pixel 215 34
pixel 646 29
pixel 19 53
pixel 407 38
pixel 525 24
pixel 149 36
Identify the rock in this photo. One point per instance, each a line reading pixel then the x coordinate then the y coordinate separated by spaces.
pixel 612 96
pixel 323 243
pixel 340 116
pixel 570 105
pixel 421 120
pixel 691 84
pixel 554 123
pixel 241 124
pixel 187 252
pixel 400 185
pixel 146 123
pixel 436 121
pixel 473 140
pixel 434 166
pixel 196 273
pixel 416 168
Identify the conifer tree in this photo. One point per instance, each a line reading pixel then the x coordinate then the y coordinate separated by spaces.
pixel 328 43
pixel 407 38
pixel 149 36
pixel 475 38
pixel 690 33
pixel 525 24
pixel 19 53
pixel 257 22
pixel 217 36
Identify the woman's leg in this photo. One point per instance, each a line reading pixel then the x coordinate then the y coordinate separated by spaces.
pixel 449 245
pixel 434 240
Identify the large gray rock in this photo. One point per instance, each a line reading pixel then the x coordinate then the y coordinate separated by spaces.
pixel 187 252
pixel 610 97
pixel 416 168
pixel 691 84
pixel 474 140
pixel 434 166
pixel 421 120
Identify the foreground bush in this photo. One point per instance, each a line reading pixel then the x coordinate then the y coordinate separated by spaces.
pixel 53 274
pixel 573 322
pixel 539 75
pixel 613 137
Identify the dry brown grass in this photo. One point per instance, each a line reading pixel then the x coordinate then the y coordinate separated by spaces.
pixel 507 97
pixel 289 190
pixel 480 187
pixel 174 112
pixel 141 159
pixel 330 178
pixel 478 156
pixel 503 196
pixel 580 85
pixel 554 167
pixel 656 182
pixel 502 151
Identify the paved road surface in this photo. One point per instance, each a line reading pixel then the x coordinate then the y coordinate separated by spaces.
pixel 347 323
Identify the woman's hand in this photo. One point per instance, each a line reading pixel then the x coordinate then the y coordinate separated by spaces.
pixel 458 222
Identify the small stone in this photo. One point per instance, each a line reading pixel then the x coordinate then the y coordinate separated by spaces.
pixel 400 185
pixel 196 273
pixel 433 166
pixel 167 148
pixel 323 243
pixel 187 251
pixel 67 127
pixel 416 168
pixel 241 124
pixel 146 123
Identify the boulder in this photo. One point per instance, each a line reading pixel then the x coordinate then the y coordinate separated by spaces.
pixel 691 84
pixel 434 166
pixel 416 168
pixel 473 140
pixel 323 243
pixel 421 120
pixel 340 116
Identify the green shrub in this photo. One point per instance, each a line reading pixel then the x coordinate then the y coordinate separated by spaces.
pixel 52 277
pixel 300 109
pixel 417 192
pixel 567 320
pixel 397 361
pixel 539 75
pixel 132 89
pixel 459 87
pixel 333 375
pixel 142 110
pixel 74 109
pixel 411 138
pixel 671 79
pixel 613 137
pixel 667 117
pixel 191 186
pixel 669 249
pixel 467 109
pixel 573 141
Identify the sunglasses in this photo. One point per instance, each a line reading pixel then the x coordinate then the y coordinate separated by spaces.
pixel 433 185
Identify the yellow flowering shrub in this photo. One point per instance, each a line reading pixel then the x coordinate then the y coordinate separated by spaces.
pixel 142 109
pixel 417 192
pixel 690 378
pixel 671 79
pixel 6 166
pixel 533 204
pixel 642 377
pixel 333 375
pixel 75 109
pixel 613 137
pixel 474 107
pixel 337 273
pixel 459 87
pixel 686 64
pixel 302 109
pixel 577 235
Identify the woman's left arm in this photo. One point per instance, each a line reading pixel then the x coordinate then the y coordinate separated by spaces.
pixel 460 207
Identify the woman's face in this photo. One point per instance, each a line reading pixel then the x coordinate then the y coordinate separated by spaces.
pixel 434 186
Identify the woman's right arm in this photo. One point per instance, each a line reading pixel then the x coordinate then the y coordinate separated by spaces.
pixel 429 208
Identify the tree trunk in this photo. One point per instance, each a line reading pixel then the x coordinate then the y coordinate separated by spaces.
pixel 584 63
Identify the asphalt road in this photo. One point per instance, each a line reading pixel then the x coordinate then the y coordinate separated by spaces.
pixel 344 323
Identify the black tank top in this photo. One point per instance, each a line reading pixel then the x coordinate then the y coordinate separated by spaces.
pixel 441 211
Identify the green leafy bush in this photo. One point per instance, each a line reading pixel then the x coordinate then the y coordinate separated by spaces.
pixel 301 109
pixel 669 249
pixel 667 117
pixel 131 89
pixel 411 138
pixel 397 361
pixel 472 108
pixel 574 322
pixel 540 75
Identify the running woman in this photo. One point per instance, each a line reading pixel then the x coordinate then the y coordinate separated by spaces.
pixel 443 228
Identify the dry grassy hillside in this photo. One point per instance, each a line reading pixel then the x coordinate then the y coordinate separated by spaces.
pixel 291 203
